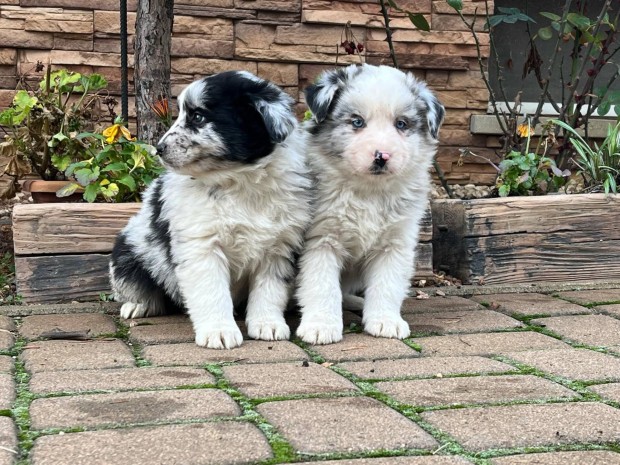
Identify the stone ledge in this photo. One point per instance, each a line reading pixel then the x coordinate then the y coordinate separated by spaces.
pixel 488 125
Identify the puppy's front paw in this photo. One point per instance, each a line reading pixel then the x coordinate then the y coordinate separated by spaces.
pixel 268 330
pixel 319 332
pixel 226 337
pixel 133 310
pixel 392 327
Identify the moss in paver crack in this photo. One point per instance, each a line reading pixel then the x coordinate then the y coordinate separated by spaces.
pixel 122 333
pixel 495 453
pixel 579 387
pixel 282 450
pixel 21 406
pixel 415 346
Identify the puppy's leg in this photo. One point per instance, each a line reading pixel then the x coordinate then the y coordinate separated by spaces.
pixel 320 295
pixel 269 294
pixel 387 277
pixel 204 280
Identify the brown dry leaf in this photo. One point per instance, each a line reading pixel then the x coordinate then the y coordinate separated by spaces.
pixel 421 295
pixel 326 364
pixel 441 293
pixel 352 348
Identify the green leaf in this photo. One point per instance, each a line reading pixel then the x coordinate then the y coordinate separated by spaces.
pixel 604 107
pixel 551 16
pixel 579 21
pixel 56 138
pixel 503 191
pixel 91 191
pixel 61 162
pixel 456 4
pixel 72 167
pixel 85 176
pixel 545 33
pixel 67 189
pixel 129 182
pixel 110 191
pixel 118 166
pixel 508 11
pixel 419 21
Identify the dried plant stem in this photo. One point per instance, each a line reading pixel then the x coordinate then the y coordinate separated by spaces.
pixel 388 32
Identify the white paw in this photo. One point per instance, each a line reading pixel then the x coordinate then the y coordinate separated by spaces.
pixel 226 337
pixel 392 327
pixel 319 332
pixel 133 310
pixel 268 330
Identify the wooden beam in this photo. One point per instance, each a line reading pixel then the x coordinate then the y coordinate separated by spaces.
pixel 62 228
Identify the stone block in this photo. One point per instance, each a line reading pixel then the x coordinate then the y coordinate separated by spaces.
pixel 609 391
pixel 595 330
pixel 514 426
pixel 8 439
pixel 474 390
pixel 292 6
pixel 7 391
pixel 424 367
pixel 95 410
pixel 219 28
pixel 62 42
pixel 574 364
pixel 190 354
pixel 460 322
pixel 92 324
pixel 8 56
pixel 311 34
pixel 590 457
pixel 254 35
pixel 73 355
pixel 363 347
pixel 282 74
pixel 26 39
pixel 156 445
pixel 318 426
pixel 439 304
pixel 73 27
pixel 425 460
pixel 110 22
pixel 529 304
pixel 206 67
pixel 6 364
pixel 285 379
pixel 119 379
pixel 593 297
pixel 486 343
pixel 190 47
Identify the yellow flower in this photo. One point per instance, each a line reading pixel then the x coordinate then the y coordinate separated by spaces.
pixel 525 130
pixel 115 131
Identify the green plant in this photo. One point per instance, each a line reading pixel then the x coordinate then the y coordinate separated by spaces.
pixel 41 123
pixel 598 165
pixel 592 41
pixel 113 166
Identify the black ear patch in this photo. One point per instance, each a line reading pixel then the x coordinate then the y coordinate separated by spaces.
pixel 435 116
pixel 322 96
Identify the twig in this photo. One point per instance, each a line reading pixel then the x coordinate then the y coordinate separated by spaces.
pixel 388 33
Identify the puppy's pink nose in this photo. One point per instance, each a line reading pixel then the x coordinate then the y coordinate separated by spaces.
pixel 385 156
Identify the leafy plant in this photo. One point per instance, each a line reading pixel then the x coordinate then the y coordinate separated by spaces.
pixel 41 123
pixel 598 165
pixel 529 174
pixel 592 42
pixel 114 166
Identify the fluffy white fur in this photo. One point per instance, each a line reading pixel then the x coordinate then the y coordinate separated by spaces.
pixel 364 233
pixel 213 231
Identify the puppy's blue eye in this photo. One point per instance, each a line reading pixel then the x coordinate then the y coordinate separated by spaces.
pixel 401 124
pixel 198 118
pixel 357 123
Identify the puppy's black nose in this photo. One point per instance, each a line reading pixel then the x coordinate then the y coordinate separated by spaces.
pixel 161 148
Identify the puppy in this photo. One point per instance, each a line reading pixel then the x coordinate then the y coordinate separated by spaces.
pixel 370 145
pixel 222 225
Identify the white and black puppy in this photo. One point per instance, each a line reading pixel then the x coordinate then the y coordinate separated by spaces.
pixel 371 144
pixel 222 225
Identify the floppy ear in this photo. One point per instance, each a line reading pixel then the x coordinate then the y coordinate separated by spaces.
pixel 274 105
pixel 435 115
pixel 323 94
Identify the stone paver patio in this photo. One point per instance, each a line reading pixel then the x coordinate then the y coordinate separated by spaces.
pixel 498 379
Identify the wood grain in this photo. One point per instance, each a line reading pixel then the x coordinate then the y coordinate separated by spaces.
pixel 564 238
pixel 62 228
pixel 62 278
